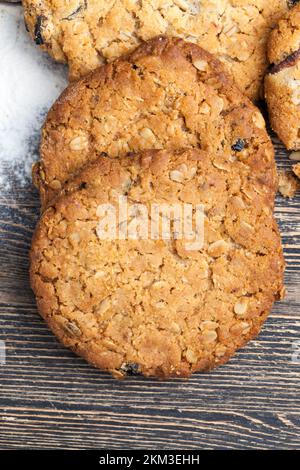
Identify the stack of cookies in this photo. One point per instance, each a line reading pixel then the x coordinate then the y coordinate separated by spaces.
pixel 164 126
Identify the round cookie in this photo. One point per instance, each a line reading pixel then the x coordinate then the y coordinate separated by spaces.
pixel 166 94
pixel 282 83
pixel 85 34
pixel 160 307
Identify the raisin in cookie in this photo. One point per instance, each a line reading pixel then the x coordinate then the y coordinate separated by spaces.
pixel 86 33
pixel 160 307
pixel 167 94
pixel 282 83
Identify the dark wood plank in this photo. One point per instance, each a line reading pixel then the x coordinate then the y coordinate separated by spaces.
pixel 51 399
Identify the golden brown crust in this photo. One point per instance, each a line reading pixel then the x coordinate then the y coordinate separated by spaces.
pixel 282 83
pixel 153 306
pixel 86 34
pixel 166 94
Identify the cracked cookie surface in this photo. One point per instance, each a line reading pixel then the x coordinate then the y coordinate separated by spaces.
pixel 156 307
pixel 166 94
pixel 87 33
pixel 282 83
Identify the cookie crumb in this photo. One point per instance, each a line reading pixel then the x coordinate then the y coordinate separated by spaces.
pixel 288 184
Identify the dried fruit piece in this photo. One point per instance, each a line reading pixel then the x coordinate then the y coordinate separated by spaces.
pixel 289 61
pixel 239 145
pixel 38 38
pixel 130 368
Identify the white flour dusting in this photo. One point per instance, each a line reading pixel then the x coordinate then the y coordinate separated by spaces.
pixel 29 84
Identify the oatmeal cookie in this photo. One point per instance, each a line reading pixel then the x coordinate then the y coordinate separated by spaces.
pixel 88 33
pixel 153 306
pixel 166 94
pixel 282 83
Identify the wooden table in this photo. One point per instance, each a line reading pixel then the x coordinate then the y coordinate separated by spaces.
pixel 50 398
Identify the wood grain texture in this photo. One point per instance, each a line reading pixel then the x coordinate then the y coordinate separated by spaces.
pixel 50 398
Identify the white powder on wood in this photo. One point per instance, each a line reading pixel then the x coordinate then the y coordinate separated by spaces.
pixel 29 84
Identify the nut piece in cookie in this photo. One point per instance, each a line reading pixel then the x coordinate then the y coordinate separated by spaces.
pixel 87 34
pixel 166 94
pixel 130 299
pixel 282 83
